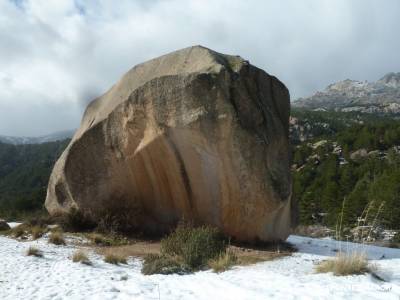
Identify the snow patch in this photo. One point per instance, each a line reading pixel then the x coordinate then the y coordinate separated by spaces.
pixel 56 277
pixel 13 224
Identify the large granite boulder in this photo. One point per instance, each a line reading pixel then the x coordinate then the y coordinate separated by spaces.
pixel 194 135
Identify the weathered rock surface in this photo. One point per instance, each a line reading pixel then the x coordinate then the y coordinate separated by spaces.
pixel 194 134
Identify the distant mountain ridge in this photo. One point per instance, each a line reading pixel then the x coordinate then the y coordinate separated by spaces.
pixel 56 136
pixel 382 96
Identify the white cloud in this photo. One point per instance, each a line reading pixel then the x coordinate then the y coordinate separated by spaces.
pixel 55 56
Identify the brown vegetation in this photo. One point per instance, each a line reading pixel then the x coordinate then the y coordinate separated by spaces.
pixel 223 262
pixel 162 264
pixel 346 264
pixel 138 249
pixel 115 259
pixel 81 257
pixel 33 251
pixel 37 232
pixel 189 249
pixel 107 239
pixel 57 238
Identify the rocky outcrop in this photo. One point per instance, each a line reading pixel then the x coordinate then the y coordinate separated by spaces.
pixel 360 153
pixel 194 134
pixel 380 97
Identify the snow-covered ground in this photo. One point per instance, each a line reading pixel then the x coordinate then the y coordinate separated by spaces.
pixel 56 277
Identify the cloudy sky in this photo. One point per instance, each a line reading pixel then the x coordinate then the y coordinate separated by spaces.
pixel 57 55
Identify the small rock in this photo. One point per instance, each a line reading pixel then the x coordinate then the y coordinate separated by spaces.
pixel 4 225
pixel 124 278
pixel 114 290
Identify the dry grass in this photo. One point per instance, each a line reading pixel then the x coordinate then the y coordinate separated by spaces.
pixel 247 260
pixel 223 262
pixel 139 249
pixel 19 231
pixel 33 251
pixel 57 238
pixel 234 256
pixel 194 246
pixel 81 257
pixel 107 240
pixel 23 231
pixel 37 232
pixel 249 255
pixel 98 239
pixel 162 264
pixel 246 254
pixel 346 264
pixel 115 259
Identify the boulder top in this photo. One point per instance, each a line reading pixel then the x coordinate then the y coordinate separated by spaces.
pixel 195 59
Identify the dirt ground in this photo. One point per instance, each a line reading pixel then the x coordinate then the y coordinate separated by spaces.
pixel 246 254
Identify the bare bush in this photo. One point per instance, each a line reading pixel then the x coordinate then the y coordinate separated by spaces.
pixel 57 238
pixel 115 259
pixel 81 257
pixel 33 251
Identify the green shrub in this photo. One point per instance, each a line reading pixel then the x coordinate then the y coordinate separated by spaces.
pixel 194 246
pixel 162 264
pixel 185 250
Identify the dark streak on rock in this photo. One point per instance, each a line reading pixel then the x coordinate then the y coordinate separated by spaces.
pixel 182 168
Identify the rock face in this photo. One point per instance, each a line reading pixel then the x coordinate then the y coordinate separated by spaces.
pixel 194 135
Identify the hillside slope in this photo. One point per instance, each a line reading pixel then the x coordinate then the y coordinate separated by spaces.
pixel 56 136
pixel 346 161
pixel 24 174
